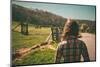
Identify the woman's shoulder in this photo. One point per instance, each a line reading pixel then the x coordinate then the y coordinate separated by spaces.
pixel 82 43
pixel 62 43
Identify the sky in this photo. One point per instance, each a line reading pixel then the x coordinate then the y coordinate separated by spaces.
pixel 83 12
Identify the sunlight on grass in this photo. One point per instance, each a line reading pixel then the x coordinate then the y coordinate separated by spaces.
pixel 36 36
pixel 43 56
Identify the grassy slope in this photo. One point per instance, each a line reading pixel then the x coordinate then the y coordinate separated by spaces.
pixel 35 36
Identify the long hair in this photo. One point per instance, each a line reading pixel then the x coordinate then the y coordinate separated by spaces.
pixel 71 28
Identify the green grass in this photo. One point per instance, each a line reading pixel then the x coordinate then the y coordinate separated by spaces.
pixel 36 36
pixel 43 56
pixel 19 40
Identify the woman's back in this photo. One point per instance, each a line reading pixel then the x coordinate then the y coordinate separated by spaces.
pixel 72 50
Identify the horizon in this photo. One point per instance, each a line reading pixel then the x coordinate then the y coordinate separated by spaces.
pixel 82 12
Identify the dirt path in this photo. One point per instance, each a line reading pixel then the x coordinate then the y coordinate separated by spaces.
pixel 89 39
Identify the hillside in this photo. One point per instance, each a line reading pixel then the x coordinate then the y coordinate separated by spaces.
pixel 45 18
pixel 35 16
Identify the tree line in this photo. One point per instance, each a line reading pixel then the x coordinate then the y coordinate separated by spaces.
pixel 44 18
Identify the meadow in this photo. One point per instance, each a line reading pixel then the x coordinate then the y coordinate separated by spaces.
pixel 36 36
pixel 43 55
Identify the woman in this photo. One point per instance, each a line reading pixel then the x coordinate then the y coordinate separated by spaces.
pixel 70 47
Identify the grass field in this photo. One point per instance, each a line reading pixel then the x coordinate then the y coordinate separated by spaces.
pixel 36 36
pixel 45 55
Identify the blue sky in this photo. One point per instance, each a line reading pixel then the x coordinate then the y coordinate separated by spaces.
pixel 64 10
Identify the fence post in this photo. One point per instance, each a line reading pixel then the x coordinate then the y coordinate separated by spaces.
pixel 26 32
pixel 52 33
pixel 55 34
pixel 24 28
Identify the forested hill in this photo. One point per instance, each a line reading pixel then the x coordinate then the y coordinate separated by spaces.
pixel 35 16
pixel 45 18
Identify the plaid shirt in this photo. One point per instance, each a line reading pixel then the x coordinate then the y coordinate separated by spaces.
pixel 72 50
